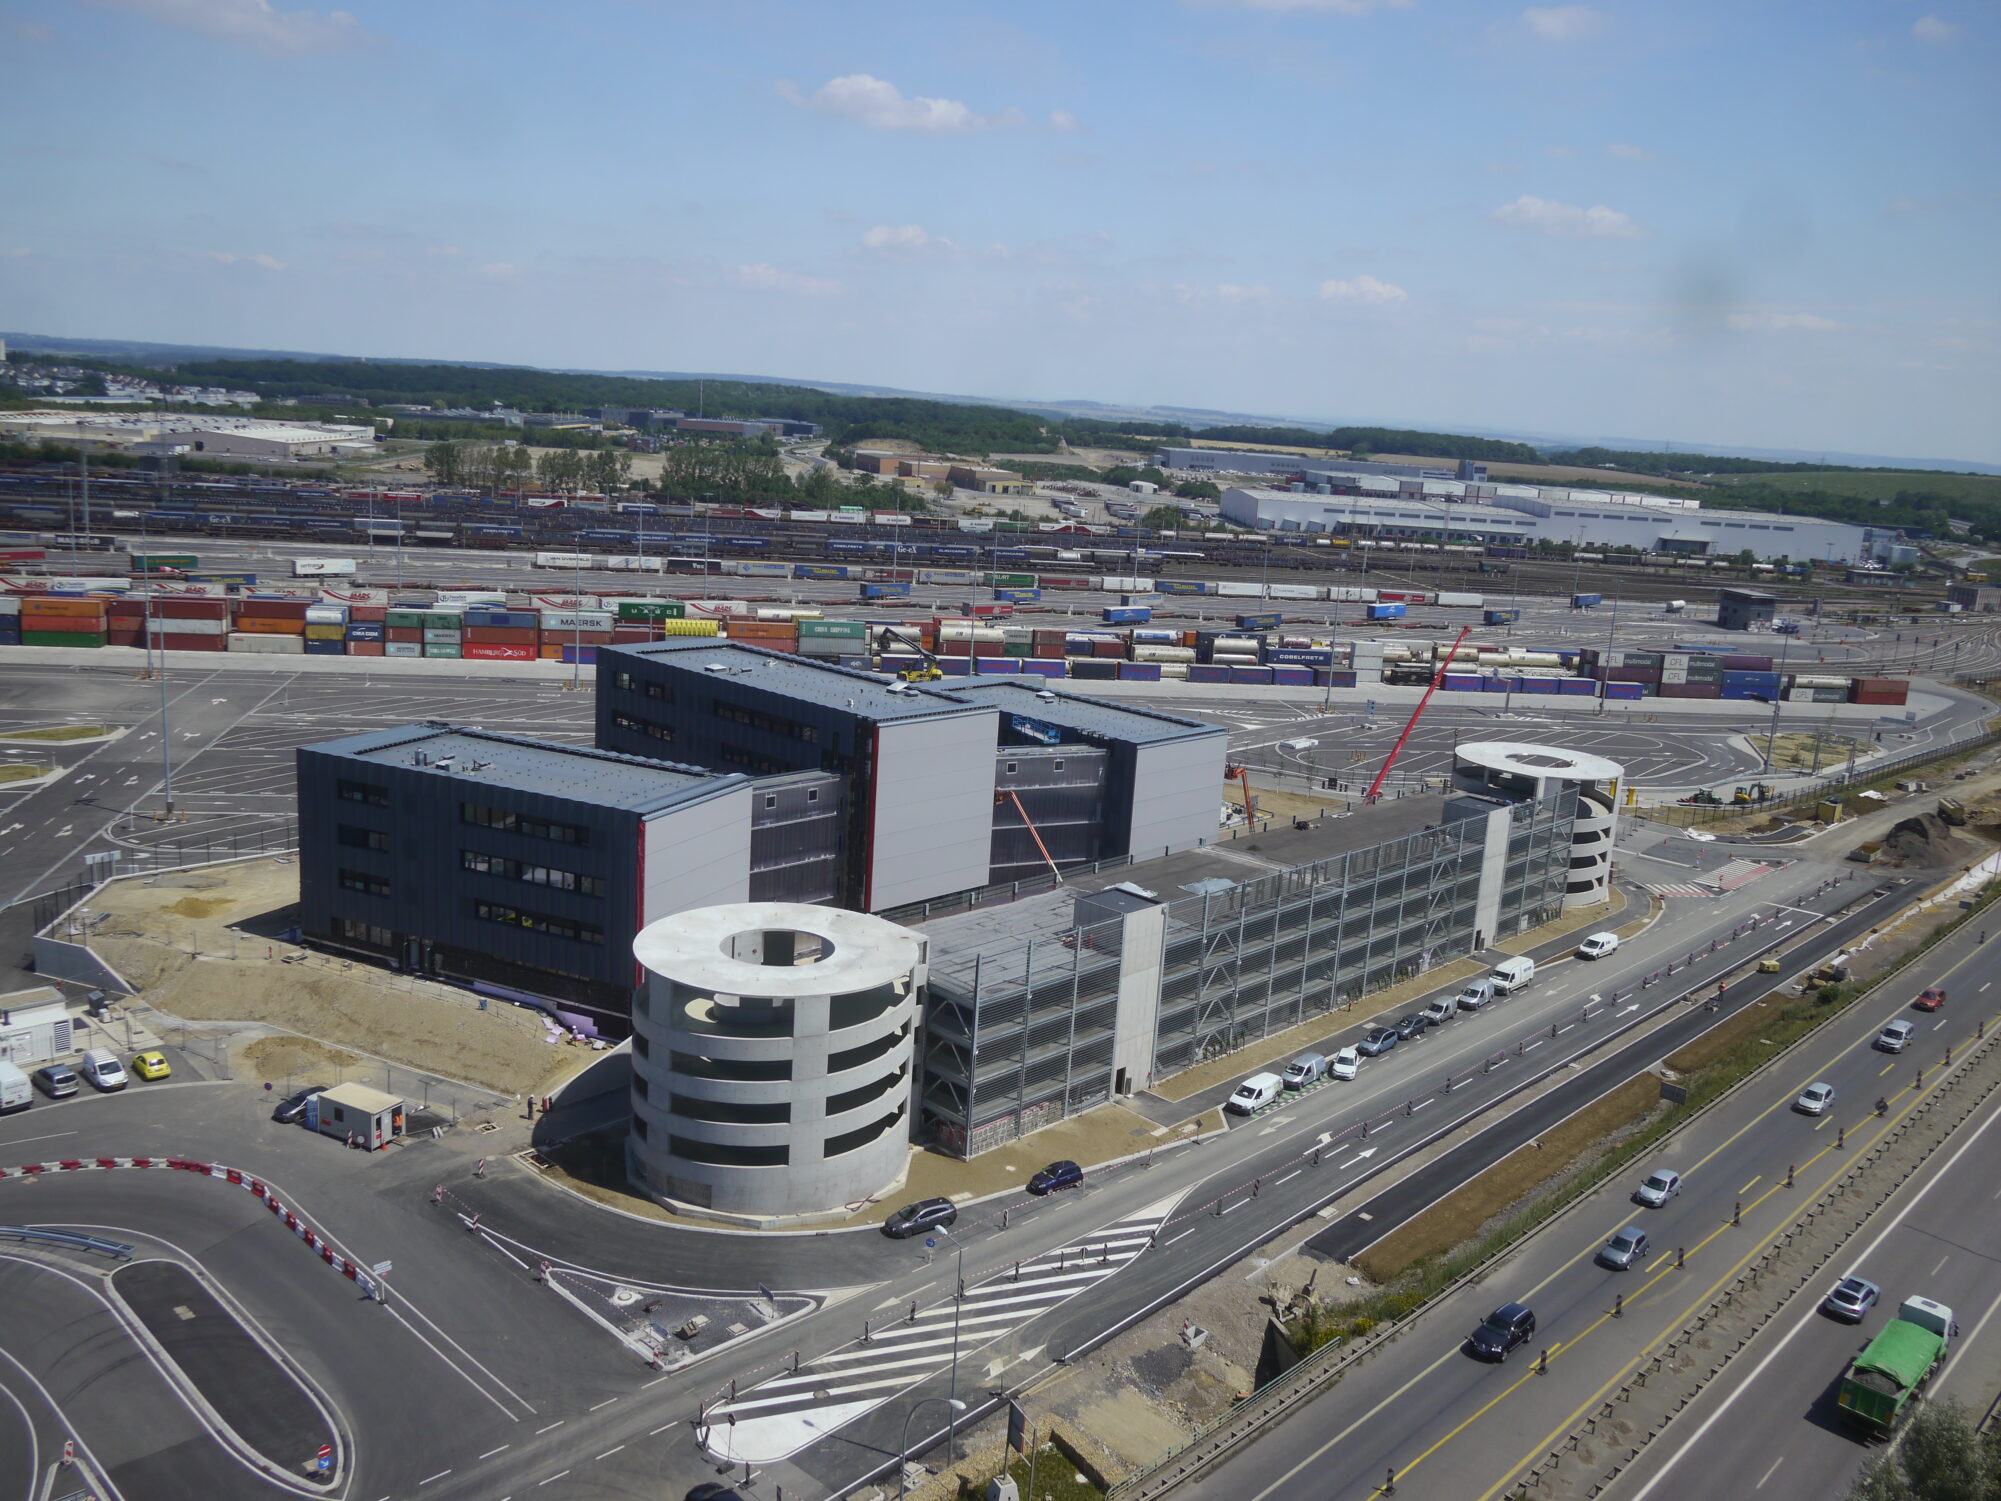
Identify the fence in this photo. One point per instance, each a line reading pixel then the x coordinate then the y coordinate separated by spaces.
pixel 1826 786
pixel 142 853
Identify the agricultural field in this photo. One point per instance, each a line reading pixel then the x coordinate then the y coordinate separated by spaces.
pixel 1876 484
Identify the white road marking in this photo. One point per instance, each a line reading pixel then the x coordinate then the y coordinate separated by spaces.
pixel 491 1452
pixel 557 1424
pixel 608 1453
pixel 439 1476
pixel 1771 1472
pixel 552 1479
pixel 606 1403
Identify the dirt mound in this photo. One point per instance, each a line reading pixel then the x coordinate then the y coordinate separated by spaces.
pixel 1927 839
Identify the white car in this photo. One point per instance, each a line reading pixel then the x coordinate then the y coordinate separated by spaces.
pixel 1597 945
pixel 1345 1064
pixel 1662 1184
pixel 1815 1099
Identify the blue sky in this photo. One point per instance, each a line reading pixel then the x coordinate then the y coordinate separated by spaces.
pixel 1750 224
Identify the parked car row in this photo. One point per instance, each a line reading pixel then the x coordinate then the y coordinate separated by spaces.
pixel 100 1066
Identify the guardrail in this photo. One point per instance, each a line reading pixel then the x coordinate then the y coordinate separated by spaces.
pixel 113 1248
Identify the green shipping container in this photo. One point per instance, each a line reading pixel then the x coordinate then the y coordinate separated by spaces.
pixel 62 638
pixel 439 649
pixel 848 630
pixel 652 609
pixel 1008 580
pixel 443 620
pixel 409 619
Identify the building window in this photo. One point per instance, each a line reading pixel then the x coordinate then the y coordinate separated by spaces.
pixel 639 1127
pixel 523 823
pixel 813 795
pixel 643 726
pixel 362 792
pixel 775 724
pixel 362 932
pixel 736 756
pixel 534 875
pixel 356 838
pixel 770 799
pixel 539 922
pixel 364 881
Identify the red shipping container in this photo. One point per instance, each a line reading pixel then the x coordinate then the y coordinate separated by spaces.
pixel 958 649
pixel 376 613
pixel 172 642
pixel 1691 690
pixel 587 638
pixel 501 635
pixel 364 648
pixel 123 638
pixel 1109 649
pixel 191 609
pixel 406 633
pixel 73 625
pixel 493 651
pixel 271 609
pixel 126 609
pixel 989 648
pixel 622 635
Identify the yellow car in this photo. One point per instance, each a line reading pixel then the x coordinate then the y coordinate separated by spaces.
pixel 151 1065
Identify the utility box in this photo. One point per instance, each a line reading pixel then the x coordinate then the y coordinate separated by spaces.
pixel 1003 1488
pixel 361 1116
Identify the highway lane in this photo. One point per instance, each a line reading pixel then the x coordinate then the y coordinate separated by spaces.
pixel 1453 1427
pixel 1773 1413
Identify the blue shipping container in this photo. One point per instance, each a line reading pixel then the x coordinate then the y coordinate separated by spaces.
pixel 1386 612
pixel 584 655
pixel 326 648
pixel 1018 596
pixel 988 667
pixel 1577 687
pixel 1259 622
pixel 1499 617
pixel 1048 667
pixel 1139 672
pixel 1298 656
pixel 1250 674
pixel 1457 681
pixel 1296 677
pixel 1207 672
pixel 1127 615
pixel 1624 690
pixel 1340 678
pixel 1585 601
pixel 956 667
pixel 885 591
pixel 1094 667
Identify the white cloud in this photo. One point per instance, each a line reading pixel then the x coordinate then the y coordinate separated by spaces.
pixel 1365 290
pixel 1553 218
pixel 881 105
pixel 254 24
pixel 1933 29
pixel 231 258
pixel 1627 153
pixel 1810 323
pixel 765 278
pixel 1063 120
pixel 1563 23
pixel 905 237
pixel 1337 7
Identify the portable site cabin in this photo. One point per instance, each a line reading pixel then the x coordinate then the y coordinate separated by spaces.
pixel 359 1115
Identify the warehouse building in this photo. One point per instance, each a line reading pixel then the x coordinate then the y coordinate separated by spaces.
pixel 530 865
pixel 1046 1006
pixel 1981 599
pixel 938 785
pixel 1745 609
pixel 1507 514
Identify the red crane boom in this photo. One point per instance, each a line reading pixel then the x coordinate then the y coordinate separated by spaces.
pixel 1397 749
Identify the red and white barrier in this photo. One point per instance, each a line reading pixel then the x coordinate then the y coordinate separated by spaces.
pixel 353 1271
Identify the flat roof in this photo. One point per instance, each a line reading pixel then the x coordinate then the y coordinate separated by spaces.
pixel 1526 759
pixel 1088 716
pixel 358 1096
pixel 864 694
pixel 1444 509
pixel 549 768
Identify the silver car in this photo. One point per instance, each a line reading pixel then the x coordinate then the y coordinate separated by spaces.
pixel 1624 1249
pixel 1814 1099
pixel 1662 1184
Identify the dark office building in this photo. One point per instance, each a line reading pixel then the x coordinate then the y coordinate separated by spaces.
pixel 1742 609
pixel 947 786
pixel 529 864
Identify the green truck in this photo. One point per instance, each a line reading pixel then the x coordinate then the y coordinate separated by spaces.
pixel 1895 1367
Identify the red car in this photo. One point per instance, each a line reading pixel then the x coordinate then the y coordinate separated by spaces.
pixel 1932 999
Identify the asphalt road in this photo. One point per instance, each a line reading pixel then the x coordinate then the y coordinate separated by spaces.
pixel 1454 1427
pixel 1772 1420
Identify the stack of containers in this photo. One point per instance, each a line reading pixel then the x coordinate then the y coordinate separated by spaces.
pixel 326 630
pixel 62 622
pixel 190 624
pixel 125 622
pixel 1046 644
pixel 1892 692
pixel 1691 675
pixel 274 627
pixel 444 633
pixel 1366 657
pixel 772 635
pixel 502 635
pixel 403 631
pixel 833 638
pixel 1801 688
pixel 365 630
pixel 10 620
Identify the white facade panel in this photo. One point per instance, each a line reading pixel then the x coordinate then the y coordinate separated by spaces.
pixel 932 808
pixel 696 855
pixel 1177 792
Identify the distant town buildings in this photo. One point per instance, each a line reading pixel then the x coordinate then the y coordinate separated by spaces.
pixel 917 470
pixel 185 433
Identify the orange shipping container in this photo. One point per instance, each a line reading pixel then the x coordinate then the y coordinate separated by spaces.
pixel 364 648
pixel 269 625
pixel 67 625
pixel 76 609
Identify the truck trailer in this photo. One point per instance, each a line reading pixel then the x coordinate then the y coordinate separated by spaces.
pixel 1895 1367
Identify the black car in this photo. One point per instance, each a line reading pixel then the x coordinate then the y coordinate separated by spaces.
pixel 915 1219
pixel 293 1106
pixel 55 1080
pixel 1378 1040
pixel 708 1490
pixel 1056 1176
pixel 1507 1326
pixel 1413 1024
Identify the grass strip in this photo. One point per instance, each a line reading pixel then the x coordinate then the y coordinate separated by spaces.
pixel 60 732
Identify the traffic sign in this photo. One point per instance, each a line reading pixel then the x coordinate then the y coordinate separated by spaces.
pixel 930 1243
pixel 381 1268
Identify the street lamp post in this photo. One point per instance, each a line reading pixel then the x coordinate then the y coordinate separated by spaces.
pixel 958 1308
pixel 903 1447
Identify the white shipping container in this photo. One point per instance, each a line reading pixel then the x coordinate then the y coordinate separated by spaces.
pixel 1674 674
pixel 10 604
pixel 565 560
pixel 269 646
pixel 1238 644
pixel 1473 601
pixel 1296 591
pixel 1799 695
pixel 1112 584
pixel 784 614
pixel 449 598
pixel 1235 659
pixel 1232 589
pixel 160 626
pixel 354 596
pixel 67 585
pixel 1674 659
pixel 572 620
pixel 1174 669
pixel 1163 653
pixel 565 602
pixel 764 570
pixel 635 564
pixel 326 615
pixel 304 568
pixel 716 609
pixel 183 590
pixel 1347 594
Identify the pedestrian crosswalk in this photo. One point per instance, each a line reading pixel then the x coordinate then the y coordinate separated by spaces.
pixel 782 1415
pixel 1739 872
pixel 1680 888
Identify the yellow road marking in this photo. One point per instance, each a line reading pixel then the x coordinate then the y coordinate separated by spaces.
pixel 1748 1186
pixel 1886 1068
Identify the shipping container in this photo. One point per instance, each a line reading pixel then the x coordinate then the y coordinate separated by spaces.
pixel 1127 615
pixel 1259 622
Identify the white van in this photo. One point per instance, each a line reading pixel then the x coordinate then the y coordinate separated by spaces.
pixel 1254 1094
pixel 1597 945
pixel 1476 994
pixel 102 1068
pixel 1511 975
pixel 15 1091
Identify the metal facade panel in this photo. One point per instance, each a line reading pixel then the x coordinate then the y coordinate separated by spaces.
pixel 932 816
pixel 1171 799
pixel 696 856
